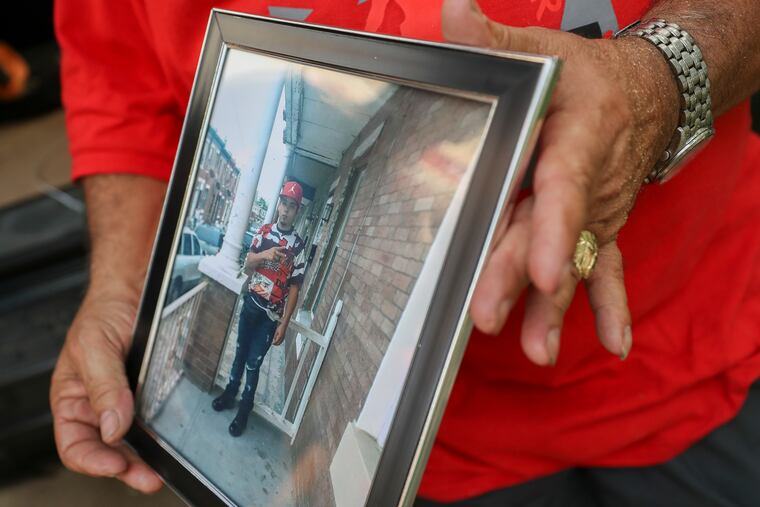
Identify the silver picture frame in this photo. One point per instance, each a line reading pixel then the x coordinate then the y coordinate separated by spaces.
pixel 507 93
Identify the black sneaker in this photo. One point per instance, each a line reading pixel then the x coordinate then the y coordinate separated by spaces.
pixel 224 401
pixel 238 424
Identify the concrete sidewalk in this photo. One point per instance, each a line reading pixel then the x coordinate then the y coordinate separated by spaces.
pixel 253 469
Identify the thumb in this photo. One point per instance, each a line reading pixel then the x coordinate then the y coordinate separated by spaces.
pixel 463 22
pixel 101 364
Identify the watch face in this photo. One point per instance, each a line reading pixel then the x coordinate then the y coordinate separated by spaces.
pixel 693 146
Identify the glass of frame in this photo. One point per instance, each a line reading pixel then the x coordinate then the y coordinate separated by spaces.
pixel 332 201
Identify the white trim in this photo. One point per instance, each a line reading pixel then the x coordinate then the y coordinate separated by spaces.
pixel 292 390
pixel 276 420
pixel 353 467
pixel 315 370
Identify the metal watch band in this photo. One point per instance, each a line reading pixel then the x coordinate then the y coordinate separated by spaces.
pixel 690 71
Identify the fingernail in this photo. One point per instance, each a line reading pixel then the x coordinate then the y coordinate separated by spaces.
pixel 109 424
pixel 627 343
pixel 552 345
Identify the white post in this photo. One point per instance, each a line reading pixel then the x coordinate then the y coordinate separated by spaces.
pixel 279 162
pixel 224 266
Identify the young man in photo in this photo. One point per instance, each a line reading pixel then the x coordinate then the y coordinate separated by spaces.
pixel 275 264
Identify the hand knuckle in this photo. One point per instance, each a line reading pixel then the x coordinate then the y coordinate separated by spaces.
pixel 69 457
pixel 58 408
pixel 62 408
pixel 612 263
pixel 101 390
pixel 581 180
pixel 576 182
pixel 69 463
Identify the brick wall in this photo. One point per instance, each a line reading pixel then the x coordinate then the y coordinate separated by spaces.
pixel 166 365
pixel 206 341
pixel 409 176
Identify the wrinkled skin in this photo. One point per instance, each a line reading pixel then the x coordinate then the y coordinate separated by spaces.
pixel 604 130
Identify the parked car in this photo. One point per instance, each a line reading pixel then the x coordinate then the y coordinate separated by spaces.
pixel 211 238
pixel 185 275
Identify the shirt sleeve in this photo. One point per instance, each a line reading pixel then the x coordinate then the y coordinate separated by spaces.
pixel 299 267
pixel 121 116
pixel 256 241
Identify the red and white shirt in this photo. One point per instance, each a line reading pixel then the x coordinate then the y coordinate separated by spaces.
pixel 271 280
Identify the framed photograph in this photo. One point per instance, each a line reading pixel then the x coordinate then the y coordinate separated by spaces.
pixel 333 199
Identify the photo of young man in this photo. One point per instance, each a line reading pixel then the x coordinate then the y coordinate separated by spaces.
pixel 275 265
pixel 326 210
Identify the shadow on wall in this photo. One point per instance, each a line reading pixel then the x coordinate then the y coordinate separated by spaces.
pixel 756 113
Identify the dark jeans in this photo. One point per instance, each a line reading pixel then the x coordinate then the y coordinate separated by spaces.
pixel 722 469
pixel 255 333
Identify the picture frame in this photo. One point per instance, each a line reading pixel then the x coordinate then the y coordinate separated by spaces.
pixel 400 158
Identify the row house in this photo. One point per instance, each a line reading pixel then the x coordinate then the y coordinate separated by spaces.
pixel 216 182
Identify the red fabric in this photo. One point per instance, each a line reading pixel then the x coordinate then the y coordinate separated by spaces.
pixel 691 249
pixel 293 190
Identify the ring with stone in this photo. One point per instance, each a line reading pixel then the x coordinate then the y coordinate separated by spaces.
pixel 586 252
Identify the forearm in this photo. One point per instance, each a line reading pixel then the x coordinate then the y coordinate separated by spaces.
pixel 290 305
pixel 122 213
pixel 728 33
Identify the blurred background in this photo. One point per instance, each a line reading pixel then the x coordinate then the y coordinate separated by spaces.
pixel 43 256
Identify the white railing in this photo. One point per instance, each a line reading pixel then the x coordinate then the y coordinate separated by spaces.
pixel 169 349
pixel 289 417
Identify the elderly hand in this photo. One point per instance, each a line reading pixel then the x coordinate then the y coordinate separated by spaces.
pixel 609 121
pixel 90 397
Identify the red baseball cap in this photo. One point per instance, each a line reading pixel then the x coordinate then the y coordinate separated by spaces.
pixel 292 190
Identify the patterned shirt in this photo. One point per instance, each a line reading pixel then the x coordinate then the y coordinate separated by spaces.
pixel 271 280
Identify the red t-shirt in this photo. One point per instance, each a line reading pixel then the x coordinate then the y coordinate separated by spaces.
pixel 691 249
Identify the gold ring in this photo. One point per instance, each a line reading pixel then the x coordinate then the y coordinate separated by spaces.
pixel 586 251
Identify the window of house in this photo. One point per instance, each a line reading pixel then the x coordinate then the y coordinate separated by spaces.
pixel 327 260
